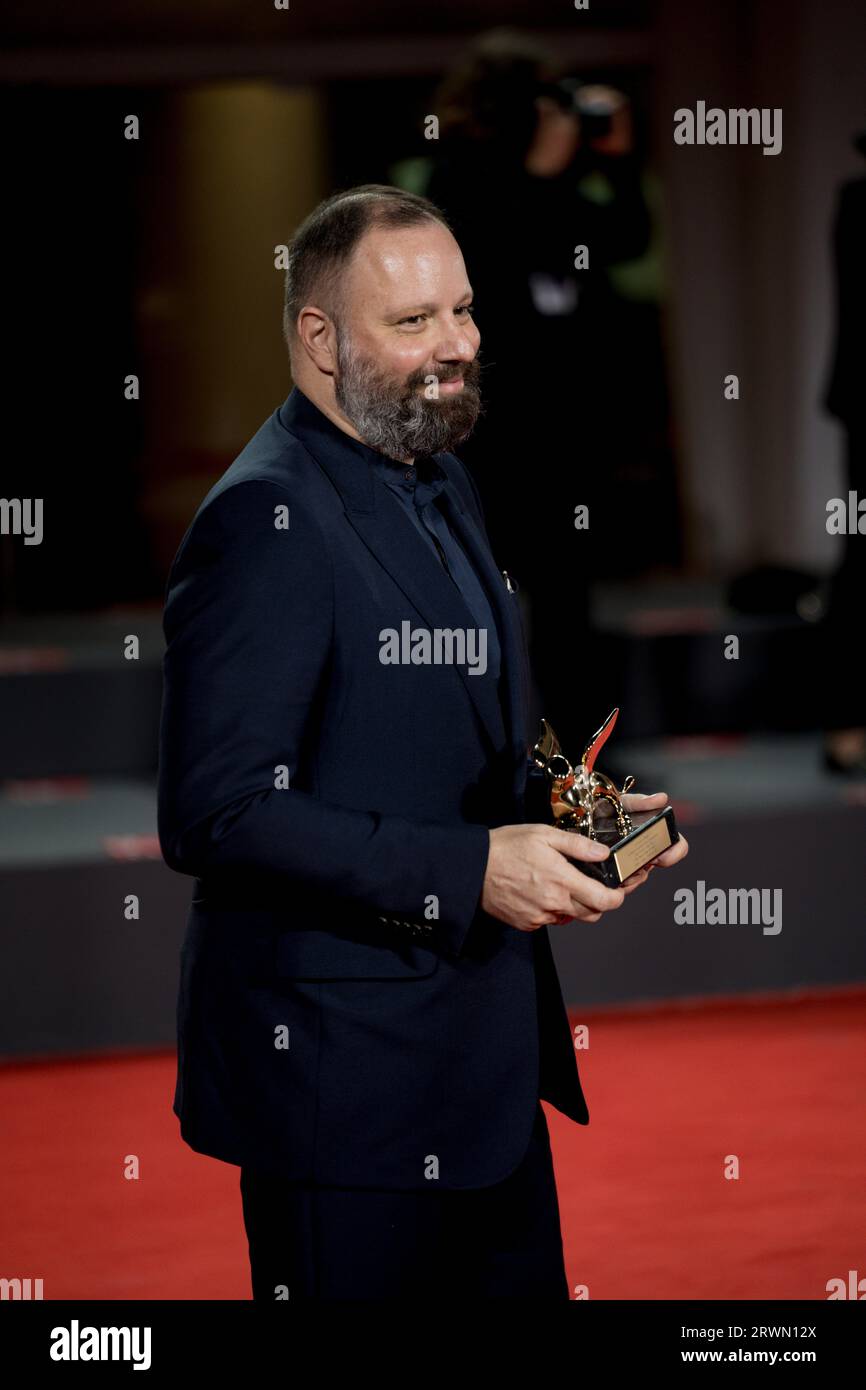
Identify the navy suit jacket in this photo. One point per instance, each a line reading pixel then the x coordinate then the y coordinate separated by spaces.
pixel 347 1012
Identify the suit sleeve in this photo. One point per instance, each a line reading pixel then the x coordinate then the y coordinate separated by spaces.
pixel 248 623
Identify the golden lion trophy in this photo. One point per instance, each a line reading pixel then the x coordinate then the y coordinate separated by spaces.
pixel 587 802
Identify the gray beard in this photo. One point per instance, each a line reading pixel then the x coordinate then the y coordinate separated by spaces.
pixel 395 417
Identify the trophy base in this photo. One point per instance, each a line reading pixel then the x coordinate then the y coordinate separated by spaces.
pixel 631 852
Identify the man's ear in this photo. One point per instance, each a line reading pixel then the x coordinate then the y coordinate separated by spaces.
pixel 318 338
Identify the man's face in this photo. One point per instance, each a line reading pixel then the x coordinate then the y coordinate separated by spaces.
pixel 407 376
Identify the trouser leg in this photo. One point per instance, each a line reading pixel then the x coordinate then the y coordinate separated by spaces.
pixel 343 1243
pixel 507 1239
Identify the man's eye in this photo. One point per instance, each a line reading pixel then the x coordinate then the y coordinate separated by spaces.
pixel 466 309
pixel 413 318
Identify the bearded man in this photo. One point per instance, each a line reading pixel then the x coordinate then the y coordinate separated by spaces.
pixel 368 1013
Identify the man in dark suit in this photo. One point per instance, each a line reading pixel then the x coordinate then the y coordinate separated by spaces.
pixel 369 1010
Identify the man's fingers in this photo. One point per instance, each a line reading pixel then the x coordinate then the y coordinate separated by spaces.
pixel 577 846
pixel 635 880
pixel 643 801
pixel 674 854
pixel 591 898
pixel 589 894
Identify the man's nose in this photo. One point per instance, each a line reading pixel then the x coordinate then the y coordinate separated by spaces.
pixel 459 346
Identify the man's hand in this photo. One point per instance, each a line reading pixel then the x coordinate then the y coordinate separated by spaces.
pixel 653 801
pixel 529 882
pixel 638 801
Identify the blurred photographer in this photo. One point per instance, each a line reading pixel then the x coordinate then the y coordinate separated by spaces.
pixel 530 167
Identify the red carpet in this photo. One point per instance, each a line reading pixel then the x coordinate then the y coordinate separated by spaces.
pixel 647 1211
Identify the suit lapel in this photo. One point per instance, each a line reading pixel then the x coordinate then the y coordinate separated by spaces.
pixel 505 607
pixel 389 535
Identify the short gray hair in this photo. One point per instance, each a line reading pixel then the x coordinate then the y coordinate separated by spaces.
pixel 324 242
